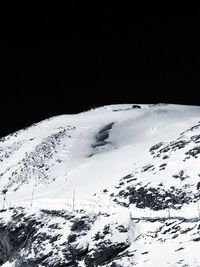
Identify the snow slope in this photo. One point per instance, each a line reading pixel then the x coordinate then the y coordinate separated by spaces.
pixel 55 154
pixel 140 158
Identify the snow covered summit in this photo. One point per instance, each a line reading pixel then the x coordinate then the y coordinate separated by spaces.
pixel 139 160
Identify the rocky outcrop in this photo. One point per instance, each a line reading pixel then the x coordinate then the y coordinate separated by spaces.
pixel 58 238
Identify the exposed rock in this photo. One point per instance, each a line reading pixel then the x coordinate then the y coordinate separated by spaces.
pixel 136 106
pixel 104 253
pixel 39 239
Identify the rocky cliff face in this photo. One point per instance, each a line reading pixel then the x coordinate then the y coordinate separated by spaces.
pixel 60 238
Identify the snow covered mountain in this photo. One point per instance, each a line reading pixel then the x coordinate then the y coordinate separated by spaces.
pixel 109 187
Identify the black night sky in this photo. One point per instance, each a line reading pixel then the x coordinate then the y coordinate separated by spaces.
pixel 60 59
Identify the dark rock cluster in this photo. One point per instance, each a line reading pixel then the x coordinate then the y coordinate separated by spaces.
pixel 153 198
pixel 53 238
pixel 35 163
pixel 7 151
pixel 165 150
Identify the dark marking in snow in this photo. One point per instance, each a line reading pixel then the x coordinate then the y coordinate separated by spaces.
pixel 181 248
pixel 101 137
pixel 181 175
pixel 136 106
pixel 155 147
pixel 107 127
pixel 196 239
pixel 193 152
pixel 195 127
pixel 148 167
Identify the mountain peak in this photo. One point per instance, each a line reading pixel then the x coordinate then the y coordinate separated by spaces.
pixel 134 158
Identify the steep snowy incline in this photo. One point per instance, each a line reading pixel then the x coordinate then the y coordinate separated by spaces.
pixel 89 152
pixel 133 171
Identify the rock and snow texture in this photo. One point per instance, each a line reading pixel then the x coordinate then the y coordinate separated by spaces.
pixel 127 167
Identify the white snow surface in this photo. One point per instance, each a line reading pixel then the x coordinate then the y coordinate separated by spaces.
pixel 133 133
